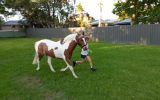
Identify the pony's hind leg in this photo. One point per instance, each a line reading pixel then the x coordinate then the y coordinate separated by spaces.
pixel 38 65
pixel 38 61
pixel 35 59
pixel 50 64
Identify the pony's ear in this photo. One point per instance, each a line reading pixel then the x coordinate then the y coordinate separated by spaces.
pixel 83 33
pixel 79 34
pixel 86 38
pixel 61 41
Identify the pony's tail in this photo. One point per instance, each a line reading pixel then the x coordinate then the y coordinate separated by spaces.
pixel 36 54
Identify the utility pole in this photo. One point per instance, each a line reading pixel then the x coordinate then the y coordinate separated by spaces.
pixel 100 4
pixel 74 4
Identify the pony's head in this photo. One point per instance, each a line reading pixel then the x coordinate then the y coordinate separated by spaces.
pixel 78 38
pixel 81 40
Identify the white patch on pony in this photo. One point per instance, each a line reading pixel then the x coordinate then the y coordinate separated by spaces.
pixel 70 37
pixel 84 41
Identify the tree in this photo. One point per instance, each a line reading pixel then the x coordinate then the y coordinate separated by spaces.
pixel 3 8
pixel 127 9
pixel 42 13
pixel 80 12
pixel 153 11
pixel 1 21
pixel 2 11
pixel 139 11
pixel 84 18
pixel 80 8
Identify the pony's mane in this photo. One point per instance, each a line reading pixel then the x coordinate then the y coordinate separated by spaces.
pixel 69 38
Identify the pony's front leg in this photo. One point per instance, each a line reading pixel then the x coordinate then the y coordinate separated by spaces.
pixel 64 69
pixel 50 64
pixel 68 62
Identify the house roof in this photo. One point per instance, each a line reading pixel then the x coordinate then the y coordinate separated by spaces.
pixel 124 22
pixel 96 22
pixel 15 22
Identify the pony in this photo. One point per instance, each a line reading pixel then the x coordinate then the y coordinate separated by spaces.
pixel 62 49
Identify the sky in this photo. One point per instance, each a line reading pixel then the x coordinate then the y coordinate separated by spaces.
pixel 18 16
pixel 91 6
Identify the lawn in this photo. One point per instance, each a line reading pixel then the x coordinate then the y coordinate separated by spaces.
pixel 124 72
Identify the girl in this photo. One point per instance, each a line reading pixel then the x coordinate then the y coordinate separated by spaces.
pixel 85 56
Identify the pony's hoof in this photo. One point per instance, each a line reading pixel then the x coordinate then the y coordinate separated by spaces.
pixel 62 70
pixel 76 77
pixel 37 69
pixel 74 63
pixel 53 71
pixel 93 69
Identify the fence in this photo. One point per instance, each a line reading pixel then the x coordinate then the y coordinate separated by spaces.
pixel 49 32
pixel 12 33
pixel 136 34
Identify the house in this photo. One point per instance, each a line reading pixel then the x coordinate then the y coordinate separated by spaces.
pixel 14 25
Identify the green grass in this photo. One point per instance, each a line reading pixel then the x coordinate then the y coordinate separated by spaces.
pixel 124 72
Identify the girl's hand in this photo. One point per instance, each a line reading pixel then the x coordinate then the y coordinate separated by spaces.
pixel 85 48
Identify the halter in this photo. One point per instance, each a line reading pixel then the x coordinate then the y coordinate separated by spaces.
pixel 84 46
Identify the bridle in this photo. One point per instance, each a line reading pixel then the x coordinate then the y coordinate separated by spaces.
pixel 83 41
pixel 84 45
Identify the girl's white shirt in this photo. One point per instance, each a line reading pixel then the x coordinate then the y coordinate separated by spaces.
pixel 85 52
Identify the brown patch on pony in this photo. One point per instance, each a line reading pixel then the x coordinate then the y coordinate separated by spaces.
pixel 50 53
pixel 43 50
pixel 67 55
pixel 68 52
